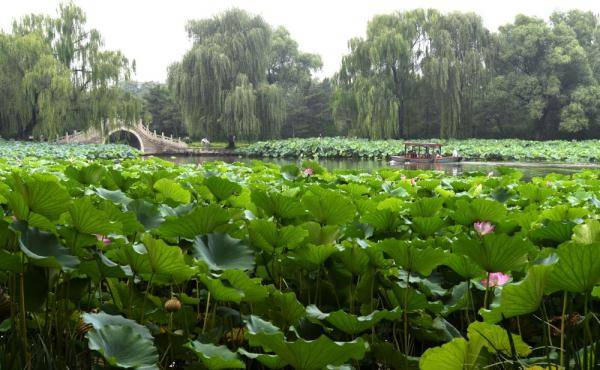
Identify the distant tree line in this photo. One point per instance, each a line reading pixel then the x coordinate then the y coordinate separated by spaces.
pixel 426 74
pixel 419 73
pixel 55 76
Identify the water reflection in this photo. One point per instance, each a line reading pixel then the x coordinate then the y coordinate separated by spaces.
pixel 367 165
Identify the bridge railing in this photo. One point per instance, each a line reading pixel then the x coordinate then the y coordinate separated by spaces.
pixel 169 140
pixel 93 133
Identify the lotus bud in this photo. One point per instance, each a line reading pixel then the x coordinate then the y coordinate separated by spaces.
pixel 173 305
pixel 484 227
pixel 103 239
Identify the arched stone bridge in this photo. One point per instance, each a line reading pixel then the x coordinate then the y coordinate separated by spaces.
pixel 149 142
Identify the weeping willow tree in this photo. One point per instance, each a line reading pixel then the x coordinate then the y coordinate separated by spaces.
pixel 221 83
pixel 56 77
pixel 415 72
pixel 454 67
pixel 379 79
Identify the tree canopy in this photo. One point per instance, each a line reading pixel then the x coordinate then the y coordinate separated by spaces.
pixel 237 77
pixel 425 74
pixel 55 76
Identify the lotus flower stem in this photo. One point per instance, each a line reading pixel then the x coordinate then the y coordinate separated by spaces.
pixel 487 291
pixel 206 313
pixel 22 314
pixel 145 298
pixel 562 331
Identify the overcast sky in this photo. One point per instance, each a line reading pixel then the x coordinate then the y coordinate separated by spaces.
pixel 152 31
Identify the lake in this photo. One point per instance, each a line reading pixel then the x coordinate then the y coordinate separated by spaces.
pixel 529 169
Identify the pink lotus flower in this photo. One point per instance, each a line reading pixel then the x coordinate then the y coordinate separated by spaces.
pixel 496 279
pixel 484 227
pixel 308 172
pixel 103 239
pixel 413 182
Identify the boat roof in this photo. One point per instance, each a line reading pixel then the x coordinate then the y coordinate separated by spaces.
pixel 435 145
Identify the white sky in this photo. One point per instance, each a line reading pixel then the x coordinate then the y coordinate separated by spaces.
pixel 152 31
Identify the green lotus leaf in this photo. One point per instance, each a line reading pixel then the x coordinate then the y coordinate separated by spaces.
pixel 115 196
pixel 426 207
pixel 301 353
pixel 354 258
pixel 522 297
pixel 283 309
pixel 216 357
pixel 386 354
pixel 318 234
pixel 411 300
pixel 87 219
pixel 349 323
pixel 554 231
pixel 533 192
pixel 236 286
pixel 222 252
pixel 171 189
pixel 17 204
pixel 200 221
pixel 87 175
pixel 42 195
pixel 44 249
pixel 497 252
pixel 222 188
pixel 265 235
pixel 312 255
pixel 10 262
pixel 463 266
pixel 563 212
pixel 458 354
pixel 270 361
pixel 478 210
pixel 496 339
pixel 147 213
pixel 278 205
pixel 412 258
pixel 383 221
pixel 427 226
pixel 577 269
pixel 329 207
pixel 155 260
pixel 128 220
pixel 101 319
pixel 587 233
pixel 123 347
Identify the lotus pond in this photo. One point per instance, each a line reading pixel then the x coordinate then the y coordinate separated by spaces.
pixel 585 151
pixel 146 264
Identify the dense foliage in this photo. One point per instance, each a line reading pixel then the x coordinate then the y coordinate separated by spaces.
pixel 470 149
pixel 238 76
pixel 425 74
pixel 143 264
pixel 14 151
pixel 55 77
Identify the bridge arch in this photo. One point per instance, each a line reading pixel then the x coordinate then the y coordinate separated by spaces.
pixel 129 130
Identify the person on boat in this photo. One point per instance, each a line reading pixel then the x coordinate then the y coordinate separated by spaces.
pixel 455 153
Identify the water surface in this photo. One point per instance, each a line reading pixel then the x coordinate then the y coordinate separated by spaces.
pixel 529 169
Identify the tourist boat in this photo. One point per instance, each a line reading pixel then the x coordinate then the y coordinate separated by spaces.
pixel 424 153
